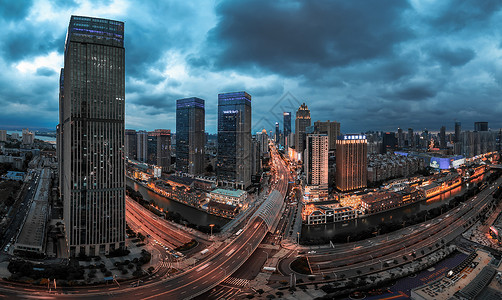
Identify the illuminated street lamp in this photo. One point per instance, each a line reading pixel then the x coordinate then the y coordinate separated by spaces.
pixel 211 226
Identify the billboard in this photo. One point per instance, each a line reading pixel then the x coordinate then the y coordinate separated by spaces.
pixel 440 163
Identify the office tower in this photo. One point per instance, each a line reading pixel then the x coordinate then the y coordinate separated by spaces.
pixel 480 126
pixel 93 136
pixel 233 166
pixel 131 143
pixel 458 129
pixel 142 146
pixel 3 135
pixel 474 143
pixel 351 162
pixel 302 121
pixel 411 138
pixel 400 138
pixel 316 159
pixel 190 135
pixel 442 137
pixel 287 128
pixel 59 134
pixel 277 133
pixel 331 128
pixel 389 142
pixel 163 149
pixel 28 137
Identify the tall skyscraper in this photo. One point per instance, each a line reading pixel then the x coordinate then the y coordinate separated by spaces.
pixel 480 126
pixel 442 137
pixel 277 133
pixel 142 146
pixel 131 143
pixel 316 160
pixel 151 148
pixel 331 128
pixel 302 121
pixel 233 166
pixel 287 128
pixel 351 162
pixel 411 138
pixel 93 136
pixel 59 137
pixel 163 148
pixel 400 138
pixel 458 129
pixel 389 142
pixel 190 135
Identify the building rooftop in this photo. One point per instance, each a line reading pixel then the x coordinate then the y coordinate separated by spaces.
pixel 376 197
pixel 33 232
pixel 229 193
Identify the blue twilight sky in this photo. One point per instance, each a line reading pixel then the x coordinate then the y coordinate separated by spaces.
pixel 367 64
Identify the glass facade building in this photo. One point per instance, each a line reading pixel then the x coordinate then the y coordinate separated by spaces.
pixel 190 135
pixel 233 165
pixel 301 123
pixel 92 118
pixel 287 127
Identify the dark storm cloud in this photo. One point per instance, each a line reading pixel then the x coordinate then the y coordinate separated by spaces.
pixel 155 103
pixel 14 9
pixel 291 37
pixel 459 15
pixel 152 28
pixel 45 71
pixel 42 40
pixel 415 91
pixel 452 57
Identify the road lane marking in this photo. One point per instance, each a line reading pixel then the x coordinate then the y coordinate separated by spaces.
pixel 203 267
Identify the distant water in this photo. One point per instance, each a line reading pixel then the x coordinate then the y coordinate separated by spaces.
pixel 40 137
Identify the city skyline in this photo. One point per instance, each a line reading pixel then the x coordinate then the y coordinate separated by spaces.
pixel 402 72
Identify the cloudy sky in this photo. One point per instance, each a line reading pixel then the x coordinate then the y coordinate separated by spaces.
pixel 371 65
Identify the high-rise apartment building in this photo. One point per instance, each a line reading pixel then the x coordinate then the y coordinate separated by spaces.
pixel 163 148
pixel 316 159
pixel 233 165
pixel 458 130
pixel 131 143
pixel 262 137
pixel 28 137
pixel 302 121
pixel 442 137
pixel 190 135
pixel 151 148
pixel 142 146
pixel 411 138
pixel 400 138
pixel 3 135
pixel 331 128
pixel 93 110
pixel 351 162
pixel 480 126
pixel 287 128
